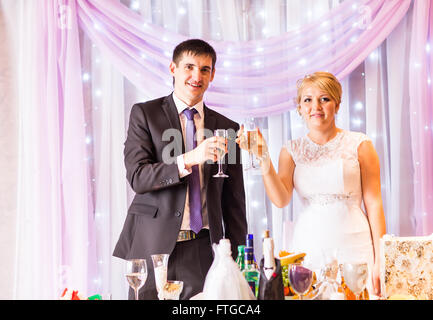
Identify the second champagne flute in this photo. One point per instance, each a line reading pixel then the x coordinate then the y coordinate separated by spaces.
pixel 251 137
pixel 136 274
pixel 220 133
pixel 160 267
pixel 355 276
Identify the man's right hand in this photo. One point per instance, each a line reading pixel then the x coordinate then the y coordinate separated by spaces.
pixel 206 150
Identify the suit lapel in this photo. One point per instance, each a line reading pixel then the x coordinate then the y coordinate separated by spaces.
pixel 172 115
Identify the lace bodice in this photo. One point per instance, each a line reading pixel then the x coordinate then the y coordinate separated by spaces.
pixel 327 173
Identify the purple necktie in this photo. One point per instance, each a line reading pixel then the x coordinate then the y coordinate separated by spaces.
pixel 196 222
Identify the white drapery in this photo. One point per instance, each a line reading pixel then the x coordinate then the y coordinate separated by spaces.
pixel 368 93
pixel 375 101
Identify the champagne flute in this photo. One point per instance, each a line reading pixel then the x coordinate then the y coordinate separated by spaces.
pixel 355 276
pixel 136 274
pixel 220 133
pixel 160 267
pixel 251 137
pixel 300 279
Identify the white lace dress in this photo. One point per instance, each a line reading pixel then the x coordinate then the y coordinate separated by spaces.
pixel 327 180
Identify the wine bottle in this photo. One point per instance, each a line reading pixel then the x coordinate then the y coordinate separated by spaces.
pixel 250 244
pixel 268 256
pixel 251 273
pixel 240 260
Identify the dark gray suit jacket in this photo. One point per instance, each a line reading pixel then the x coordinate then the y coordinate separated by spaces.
pixel 155 214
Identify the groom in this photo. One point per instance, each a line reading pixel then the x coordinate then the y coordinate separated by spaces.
pixel 170 153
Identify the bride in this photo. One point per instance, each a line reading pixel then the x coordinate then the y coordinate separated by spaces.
pixel 333 171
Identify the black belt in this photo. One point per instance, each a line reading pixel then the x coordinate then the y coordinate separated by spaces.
pixel 185 235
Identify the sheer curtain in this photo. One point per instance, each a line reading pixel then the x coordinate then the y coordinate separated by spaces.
pixel 376 100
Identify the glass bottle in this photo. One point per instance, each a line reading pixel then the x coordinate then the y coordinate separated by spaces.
pixel 250 244
pixel 240 260
pixel 251 273
pixel 268 257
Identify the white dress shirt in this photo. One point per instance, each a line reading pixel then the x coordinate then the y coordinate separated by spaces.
pixel 199 125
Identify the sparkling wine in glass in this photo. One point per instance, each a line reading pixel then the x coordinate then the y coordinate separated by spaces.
pixel 221 133
pixel 160 267
pixel 300 279
pixel 136 274
pixel 251 138
pixel 355 276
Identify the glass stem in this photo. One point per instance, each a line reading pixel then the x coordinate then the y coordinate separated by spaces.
pixel 136 294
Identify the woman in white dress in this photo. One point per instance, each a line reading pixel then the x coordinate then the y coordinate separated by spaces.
pixel 333 171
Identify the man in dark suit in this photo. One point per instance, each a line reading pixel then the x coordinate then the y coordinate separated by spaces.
pixel 170 154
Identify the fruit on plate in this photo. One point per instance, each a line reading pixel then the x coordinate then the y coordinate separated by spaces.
pixel 291 258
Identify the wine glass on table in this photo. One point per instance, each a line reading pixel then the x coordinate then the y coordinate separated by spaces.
pixel 300 279
pixel 250 130
pixel 355 276
pixel 136 274
pixel 221 133
pixel 160 268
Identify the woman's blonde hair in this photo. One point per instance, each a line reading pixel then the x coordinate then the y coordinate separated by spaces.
pixel 324 81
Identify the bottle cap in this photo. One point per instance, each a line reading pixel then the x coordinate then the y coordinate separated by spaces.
pixel 266 234
pixel 250 240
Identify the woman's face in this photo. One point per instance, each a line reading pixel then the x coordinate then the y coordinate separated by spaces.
pixel 317 107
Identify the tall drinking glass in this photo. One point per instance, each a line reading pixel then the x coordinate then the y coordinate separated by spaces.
pixel 300 279
pixel 160 267
pixel 251 138
pixel 221 133
pixel 136 274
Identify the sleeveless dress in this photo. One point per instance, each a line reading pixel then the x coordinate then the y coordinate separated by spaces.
pixel 327 179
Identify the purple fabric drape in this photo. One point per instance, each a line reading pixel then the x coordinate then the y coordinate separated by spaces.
pixel 254 78
pixel 421 120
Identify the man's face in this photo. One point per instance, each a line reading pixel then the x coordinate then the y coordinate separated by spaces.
pixel 192 76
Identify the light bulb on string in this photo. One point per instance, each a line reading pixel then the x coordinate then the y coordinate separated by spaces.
pixel 181 11
pixel 135 5
pixel 357 122
pixel 359 106
pixel 257 63
pixel 86 76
